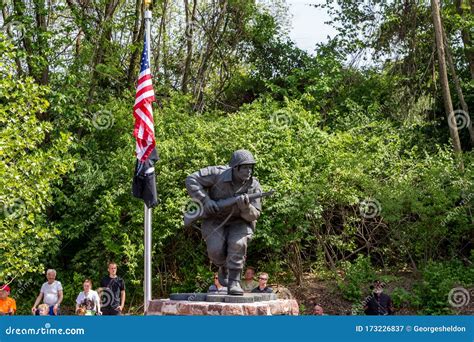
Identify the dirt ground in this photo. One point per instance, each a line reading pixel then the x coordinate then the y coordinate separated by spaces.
pixel 323 292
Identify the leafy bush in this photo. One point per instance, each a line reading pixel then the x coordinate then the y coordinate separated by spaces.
pixel 358 276
pixel 401 298
pixel 431 294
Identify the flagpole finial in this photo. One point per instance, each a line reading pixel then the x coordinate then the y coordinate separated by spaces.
pixel 147 3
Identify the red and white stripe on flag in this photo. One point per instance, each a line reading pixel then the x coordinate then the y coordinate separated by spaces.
pixel 144 131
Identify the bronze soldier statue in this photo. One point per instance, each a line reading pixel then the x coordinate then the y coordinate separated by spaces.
pixel 228 228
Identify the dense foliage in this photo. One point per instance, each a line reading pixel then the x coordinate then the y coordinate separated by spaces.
pixel 360 156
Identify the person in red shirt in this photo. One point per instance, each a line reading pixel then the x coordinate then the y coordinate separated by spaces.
pixel 7 304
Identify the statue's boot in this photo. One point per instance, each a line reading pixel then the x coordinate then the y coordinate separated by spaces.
pixel 234 288
pixel 222 275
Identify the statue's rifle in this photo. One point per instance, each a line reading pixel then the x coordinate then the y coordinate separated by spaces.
pixel 198 212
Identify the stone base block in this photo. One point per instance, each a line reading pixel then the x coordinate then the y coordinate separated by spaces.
pixel 190 308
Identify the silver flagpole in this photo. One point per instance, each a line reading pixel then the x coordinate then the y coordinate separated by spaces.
pixel 147 282
pixel 147 220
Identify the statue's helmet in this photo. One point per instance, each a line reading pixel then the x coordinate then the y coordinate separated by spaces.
pixel 242 157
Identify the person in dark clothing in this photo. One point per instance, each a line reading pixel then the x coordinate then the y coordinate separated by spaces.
pixel 262 284
pixel 112 292
pixel 378 303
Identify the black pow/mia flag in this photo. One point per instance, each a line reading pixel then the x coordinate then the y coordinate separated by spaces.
pixel 144 180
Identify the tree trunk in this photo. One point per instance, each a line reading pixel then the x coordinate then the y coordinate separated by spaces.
pixel 79 13
pixel 79 37
pixel 102 45
pixel 137 36
pixel 448 106
pixel 19 8
pixel 466 37
pixel 19 68
pixel 190 24
pixel 295 261
pixel 38 67
pixel 42 41
pixel 162 41
pixel 212 42
pixel 457 84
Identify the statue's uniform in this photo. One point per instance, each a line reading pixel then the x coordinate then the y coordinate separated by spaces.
pixel 226 233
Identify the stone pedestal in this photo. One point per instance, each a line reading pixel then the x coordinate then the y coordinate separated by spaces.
pixel 223 305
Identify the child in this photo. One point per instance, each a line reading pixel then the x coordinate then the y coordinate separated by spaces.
pixel 81 311
pixel 43 309
pixel 7 304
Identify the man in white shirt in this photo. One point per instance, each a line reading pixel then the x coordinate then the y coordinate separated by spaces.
pixel 51 293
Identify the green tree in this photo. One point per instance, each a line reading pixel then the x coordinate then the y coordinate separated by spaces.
pixel 33 162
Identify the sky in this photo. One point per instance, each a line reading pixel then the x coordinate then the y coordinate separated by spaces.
pixel 307 23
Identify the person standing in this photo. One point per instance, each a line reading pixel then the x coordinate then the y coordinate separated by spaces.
pixel 378 303
pixel 51 293
pixel 112 292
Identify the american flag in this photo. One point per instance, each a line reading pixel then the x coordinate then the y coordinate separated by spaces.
pixel 144 131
